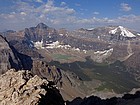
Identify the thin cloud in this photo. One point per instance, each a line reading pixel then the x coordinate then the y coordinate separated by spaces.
pixel 27 15
pixel 39 1
pixel 23 13
pixel 77 4
pixel 96 13
pixel 125 7
pixel 63 4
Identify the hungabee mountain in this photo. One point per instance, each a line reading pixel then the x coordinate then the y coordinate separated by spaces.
pixel 80 67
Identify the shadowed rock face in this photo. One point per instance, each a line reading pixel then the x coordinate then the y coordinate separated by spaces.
pixel 40 32
pixel 43 70
pixel 22 88
pixel 7 59
pixel 10 58
pixel 127 99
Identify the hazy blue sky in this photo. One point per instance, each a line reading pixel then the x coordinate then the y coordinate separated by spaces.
pixel 71 14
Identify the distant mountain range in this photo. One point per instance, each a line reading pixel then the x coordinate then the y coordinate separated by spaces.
pixel 103 59
pixel 97 39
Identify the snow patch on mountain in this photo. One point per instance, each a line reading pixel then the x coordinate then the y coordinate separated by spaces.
pixel 100 56
pixel 90 29
pixel 138 34
pixel 85 51
pixel 105 52
pixel 57 44
pixel 122 31
pixel 53 44
pixel 61 34
pixel 50 36
pixel 76 49
pixel 38 44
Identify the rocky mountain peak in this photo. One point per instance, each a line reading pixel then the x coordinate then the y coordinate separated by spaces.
pixel 41 25
pixel 120 30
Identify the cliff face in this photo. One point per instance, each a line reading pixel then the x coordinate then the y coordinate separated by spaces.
pixel 10 58
pixel 22 88
pixel 7 58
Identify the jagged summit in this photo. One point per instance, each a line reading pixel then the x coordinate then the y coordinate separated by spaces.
pixel 42 25
pixel 22 88
pixel 120 30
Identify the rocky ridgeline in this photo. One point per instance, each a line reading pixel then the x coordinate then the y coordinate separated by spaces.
pixel 127 99
pixel 22 88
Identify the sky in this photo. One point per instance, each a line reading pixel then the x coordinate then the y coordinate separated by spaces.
pixel 69 14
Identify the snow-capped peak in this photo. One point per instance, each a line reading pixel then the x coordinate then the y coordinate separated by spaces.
pixel 122 31
pixel 90 29
pixel 138 34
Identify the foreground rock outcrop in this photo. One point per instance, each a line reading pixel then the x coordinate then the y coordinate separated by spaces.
pixel 22 88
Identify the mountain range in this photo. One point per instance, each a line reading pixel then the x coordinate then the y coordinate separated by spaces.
pixel 103 61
